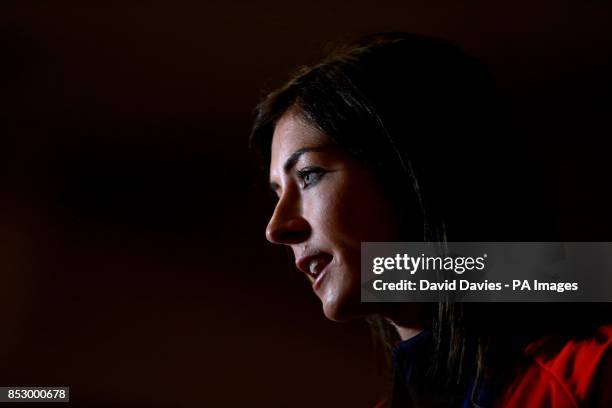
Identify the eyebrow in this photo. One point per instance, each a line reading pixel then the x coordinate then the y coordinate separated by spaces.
pixel 295 156
pixel 293 159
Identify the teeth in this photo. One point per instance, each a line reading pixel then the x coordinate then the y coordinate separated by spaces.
pixel 316 265
pixel 313 267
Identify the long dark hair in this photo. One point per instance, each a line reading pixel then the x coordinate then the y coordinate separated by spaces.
pixel 431 124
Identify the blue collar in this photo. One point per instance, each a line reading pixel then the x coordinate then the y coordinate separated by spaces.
pixel 410 358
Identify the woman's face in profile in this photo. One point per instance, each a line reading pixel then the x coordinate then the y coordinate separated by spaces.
pixel 328 203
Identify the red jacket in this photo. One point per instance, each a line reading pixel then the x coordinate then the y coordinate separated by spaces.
pixel 564 373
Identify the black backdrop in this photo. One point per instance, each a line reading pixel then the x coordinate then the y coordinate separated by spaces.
pixel 133 263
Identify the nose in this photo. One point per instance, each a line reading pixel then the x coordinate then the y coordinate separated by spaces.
pixel 287 224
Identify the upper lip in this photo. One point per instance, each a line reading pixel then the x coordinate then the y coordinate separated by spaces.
pixel 303 262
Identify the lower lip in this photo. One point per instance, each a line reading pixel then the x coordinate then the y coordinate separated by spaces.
pixel 319 280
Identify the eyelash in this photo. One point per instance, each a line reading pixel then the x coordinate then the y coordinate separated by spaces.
pixel 317 172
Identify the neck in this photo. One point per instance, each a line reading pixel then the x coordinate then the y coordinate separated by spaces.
pixel 408 318
pixel 406 333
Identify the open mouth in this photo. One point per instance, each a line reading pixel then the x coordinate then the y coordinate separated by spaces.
pixel 314 265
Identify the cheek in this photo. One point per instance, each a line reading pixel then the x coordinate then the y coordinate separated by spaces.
pixel 348 210
pixel 364 214
pixel 334 221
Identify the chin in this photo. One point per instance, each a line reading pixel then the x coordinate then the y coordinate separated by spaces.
pixel 334 316
pixel 341 311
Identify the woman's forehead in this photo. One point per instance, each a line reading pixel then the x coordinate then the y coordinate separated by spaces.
pixel 293 133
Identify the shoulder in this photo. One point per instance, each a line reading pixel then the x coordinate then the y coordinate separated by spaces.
pixel 382 404
pixel 564 372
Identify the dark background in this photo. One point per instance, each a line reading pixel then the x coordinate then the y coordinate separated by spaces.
pixel 133 262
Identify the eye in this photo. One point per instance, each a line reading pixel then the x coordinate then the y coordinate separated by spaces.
pixel 310 176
